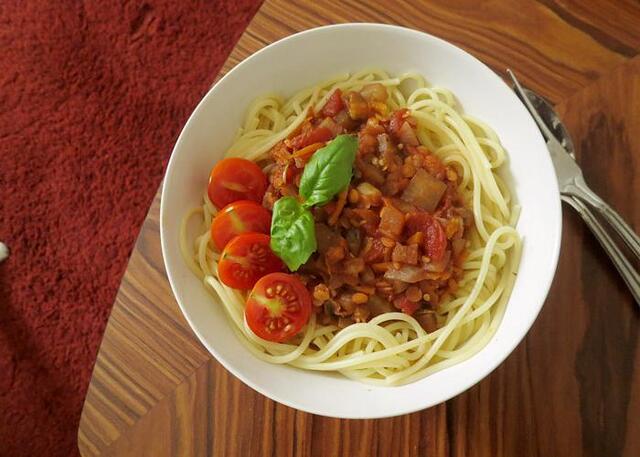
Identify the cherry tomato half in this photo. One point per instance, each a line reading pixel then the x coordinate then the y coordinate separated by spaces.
pixel 239 217
pixel 278 307
pixel 435 238
pixel 247 258
pixel 236 179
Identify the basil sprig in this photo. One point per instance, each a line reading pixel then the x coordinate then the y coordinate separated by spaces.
pixel 293 233
pixel 328 172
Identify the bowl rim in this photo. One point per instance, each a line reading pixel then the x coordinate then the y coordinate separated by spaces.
pixel 480 374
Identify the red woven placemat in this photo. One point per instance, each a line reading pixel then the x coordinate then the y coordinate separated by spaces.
pixel 92 97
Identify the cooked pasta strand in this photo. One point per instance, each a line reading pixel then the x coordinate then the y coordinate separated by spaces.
pixel 392 348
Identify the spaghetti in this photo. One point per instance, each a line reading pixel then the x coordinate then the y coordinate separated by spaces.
pixel 392 348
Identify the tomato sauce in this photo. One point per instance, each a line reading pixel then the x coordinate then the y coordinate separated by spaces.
pixel 395 239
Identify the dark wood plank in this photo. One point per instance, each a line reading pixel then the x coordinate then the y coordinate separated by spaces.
pixel 571 388
pixel 606 124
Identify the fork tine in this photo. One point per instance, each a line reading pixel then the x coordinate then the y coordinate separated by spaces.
pixel 548 135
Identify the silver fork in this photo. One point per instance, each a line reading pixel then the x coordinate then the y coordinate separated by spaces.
pixel 575 192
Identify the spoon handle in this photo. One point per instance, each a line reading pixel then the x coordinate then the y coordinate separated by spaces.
pixel 626 270
pixel 631 239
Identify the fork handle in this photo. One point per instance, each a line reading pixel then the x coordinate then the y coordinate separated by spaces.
pixel 582 191
pixel 626 270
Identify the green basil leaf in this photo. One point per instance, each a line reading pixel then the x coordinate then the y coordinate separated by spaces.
pixel 328 171
pixel 293 233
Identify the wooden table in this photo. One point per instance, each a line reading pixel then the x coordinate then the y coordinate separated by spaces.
pixel 571 388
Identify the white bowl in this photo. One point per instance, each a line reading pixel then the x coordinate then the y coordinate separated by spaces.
pixel 305 59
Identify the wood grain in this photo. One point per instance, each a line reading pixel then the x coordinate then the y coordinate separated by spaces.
pixel 571 388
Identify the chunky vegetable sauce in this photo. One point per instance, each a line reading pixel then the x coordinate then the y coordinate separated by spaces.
pixel 392 237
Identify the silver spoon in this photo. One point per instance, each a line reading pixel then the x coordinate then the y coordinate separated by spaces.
pixel 551 119
pixel 553 123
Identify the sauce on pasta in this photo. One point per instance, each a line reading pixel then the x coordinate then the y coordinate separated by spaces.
pixel 415 258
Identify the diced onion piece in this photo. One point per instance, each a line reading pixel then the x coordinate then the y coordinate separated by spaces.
pixel 369 194
pixel 375 92
pixel 391 222
pixel 370 172
pixel 440 265
pixel 424 191
pixel 405 254
pixel 407 136
pixel 330 124
pixel 343 119
pixel 357 106
pixel 407 273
